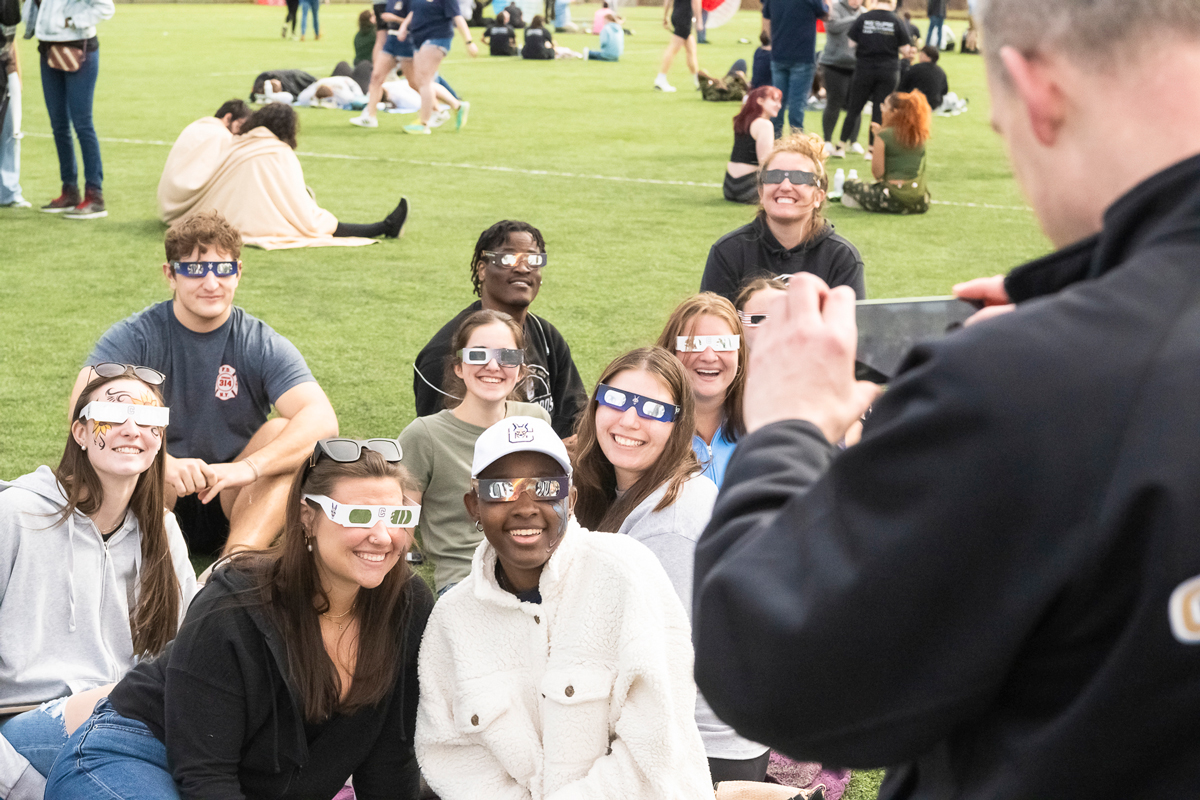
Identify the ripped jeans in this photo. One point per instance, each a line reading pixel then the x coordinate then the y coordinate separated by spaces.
pixel 38 735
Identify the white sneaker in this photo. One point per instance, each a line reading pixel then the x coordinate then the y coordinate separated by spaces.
pixel 829 149
pixel 19 203
pixel 585 53
pixel 363 121
pixel 663 86
pixel 866 156
pixel 857 148
pixel 440 118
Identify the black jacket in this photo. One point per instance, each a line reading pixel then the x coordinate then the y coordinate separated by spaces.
pixel 554 384
pixel 752 251
pixel 219 699
pixel 929 78
pixel 992 589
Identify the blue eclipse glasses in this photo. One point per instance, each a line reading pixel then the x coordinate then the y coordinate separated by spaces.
pixel 199 269
pixel 646 407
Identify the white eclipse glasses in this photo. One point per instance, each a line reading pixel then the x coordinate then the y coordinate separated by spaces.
pixel 698 344
pixel 352 516
pixel 118 413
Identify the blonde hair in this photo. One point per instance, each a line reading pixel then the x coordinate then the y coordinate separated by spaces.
pixel 811 147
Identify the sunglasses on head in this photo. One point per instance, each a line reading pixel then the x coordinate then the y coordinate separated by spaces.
pixel 347 450
pixel 512 260
pixel 504 356
pixel 798 177
pixel 697 344
pixel 118 413
pixel 351 516
pixel 752 320
pixel 111 369
pixel 198 269
pixel 508 490
pixel 646 407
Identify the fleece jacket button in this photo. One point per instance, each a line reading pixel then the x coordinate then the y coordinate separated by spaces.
pixel 570 691
pixel 474 719
pixel 537 620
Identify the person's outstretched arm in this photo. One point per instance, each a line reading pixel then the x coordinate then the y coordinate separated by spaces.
pixel 461 24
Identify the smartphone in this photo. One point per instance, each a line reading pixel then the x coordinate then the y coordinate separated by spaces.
pixel 888 329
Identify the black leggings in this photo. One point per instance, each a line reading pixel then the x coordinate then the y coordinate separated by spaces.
pixel 292 6
pixel 872 82
pixel 370 230
pixel 837 100
pixel 753 769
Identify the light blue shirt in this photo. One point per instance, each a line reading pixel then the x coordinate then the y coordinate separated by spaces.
pixel 715 457
pixel 562 13
pixel 612 41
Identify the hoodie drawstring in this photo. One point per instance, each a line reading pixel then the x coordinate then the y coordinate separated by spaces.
pixel 71 571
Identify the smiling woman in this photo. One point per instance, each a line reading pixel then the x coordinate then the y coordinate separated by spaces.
pixel 93 574
pixel 486 362
pixel 292 664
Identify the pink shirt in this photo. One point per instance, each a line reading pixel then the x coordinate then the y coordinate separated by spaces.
pixel 598 19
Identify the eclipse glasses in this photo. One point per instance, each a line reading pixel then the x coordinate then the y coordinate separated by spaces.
pixel 504 356
pixel 352 516
pixel 118 413
pixel 509 490
pixel 198 269
pixel 646 407
pixel 698 344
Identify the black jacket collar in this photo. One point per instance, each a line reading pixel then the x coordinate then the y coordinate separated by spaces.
pixel 1162 207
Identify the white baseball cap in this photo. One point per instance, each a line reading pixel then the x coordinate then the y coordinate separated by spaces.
pixel 518 435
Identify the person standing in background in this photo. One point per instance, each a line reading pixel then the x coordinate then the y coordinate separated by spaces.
pixel 70 62
pixel 10 108
pixel 678 16
pixel 792 26
pixel 880 39
pixel 838 61
pixel 936 12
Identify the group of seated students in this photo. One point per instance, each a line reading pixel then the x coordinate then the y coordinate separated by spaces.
pixel 557 660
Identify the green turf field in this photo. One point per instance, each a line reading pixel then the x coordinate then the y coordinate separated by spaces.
pixel 623 181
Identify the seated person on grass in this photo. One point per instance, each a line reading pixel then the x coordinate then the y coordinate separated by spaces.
pixel 927 77
pixel 501 38
pixel 539 43
pixel 612 42
pixel 562 666
pixel 507 272
pixel 255 181
pixel 789 234
pixel 733 86
pixel 227 465
pixel 898 159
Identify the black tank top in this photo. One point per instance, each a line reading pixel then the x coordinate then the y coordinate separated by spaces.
pixel 744 150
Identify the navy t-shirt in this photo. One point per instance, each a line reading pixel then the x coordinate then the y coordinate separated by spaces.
pixel 220 385
pixel 794 29
pixel 400 9
pixel 432 19
pixel 880 34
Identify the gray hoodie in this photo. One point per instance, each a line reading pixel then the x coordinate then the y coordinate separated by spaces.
pixel 65 596
pixel 671 534
pixel 837 52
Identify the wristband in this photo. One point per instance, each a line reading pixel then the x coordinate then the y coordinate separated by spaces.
pixel 253 468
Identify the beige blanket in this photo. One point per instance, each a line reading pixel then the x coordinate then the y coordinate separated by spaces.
pixel 254 180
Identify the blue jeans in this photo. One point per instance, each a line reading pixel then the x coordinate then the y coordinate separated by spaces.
pixel 69 103
pixel 38 735
pixel 794 80
pixel 935 26
pixel 305 7
pixel 10 157
pixel 111 756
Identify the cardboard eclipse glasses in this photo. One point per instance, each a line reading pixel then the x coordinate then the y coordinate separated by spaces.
pixel 118 413
pixel 198 269
pixel 509 490
pixel 698 344
pixel 504 356
pixel 352 516
pixel 798 177
pixel 646 407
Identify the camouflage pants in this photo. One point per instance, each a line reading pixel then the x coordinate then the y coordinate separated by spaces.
pixel 887 198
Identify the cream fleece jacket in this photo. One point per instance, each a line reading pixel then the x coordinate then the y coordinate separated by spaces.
pixel 587 695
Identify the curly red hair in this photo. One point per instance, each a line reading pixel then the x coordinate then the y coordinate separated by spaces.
pixel 911 118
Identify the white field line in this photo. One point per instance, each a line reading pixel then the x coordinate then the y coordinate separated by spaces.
pixel 517 170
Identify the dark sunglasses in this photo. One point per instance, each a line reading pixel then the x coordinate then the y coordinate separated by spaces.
pixel 198 269
pixel 798 177
pixel 511 260
pixel 508 490
pixel 111 369
pixel 646 407
pixel 347 450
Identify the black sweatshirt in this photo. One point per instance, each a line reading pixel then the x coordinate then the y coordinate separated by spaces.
pixel 995 592
pixel 752 251
pixel 219 699
pixel 879 35
pixel 554 384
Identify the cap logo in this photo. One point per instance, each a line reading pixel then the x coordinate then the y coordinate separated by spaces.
pixel 520 433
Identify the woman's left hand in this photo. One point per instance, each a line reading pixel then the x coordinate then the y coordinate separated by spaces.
pixel 473 50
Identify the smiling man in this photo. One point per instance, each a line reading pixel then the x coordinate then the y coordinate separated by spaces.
pixel 997 592
pixel 790 234
pixel 228 466
pixel 507 273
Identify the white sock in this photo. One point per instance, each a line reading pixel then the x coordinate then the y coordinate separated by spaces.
pixel 662 78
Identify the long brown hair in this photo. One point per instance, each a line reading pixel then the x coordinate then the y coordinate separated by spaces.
pixel 155 619
pixel 286 583
pixel 456 387
pixel 680 322
pixel 910 117
pixel 598 506
pixel 752 108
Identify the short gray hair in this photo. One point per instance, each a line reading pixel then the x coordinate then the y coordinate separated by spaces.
pixel 1091 30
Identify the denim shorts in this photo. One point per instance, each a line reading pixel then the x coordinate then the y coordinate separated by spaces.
pixel 440 44
pixel 396 48
pixel 38 735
